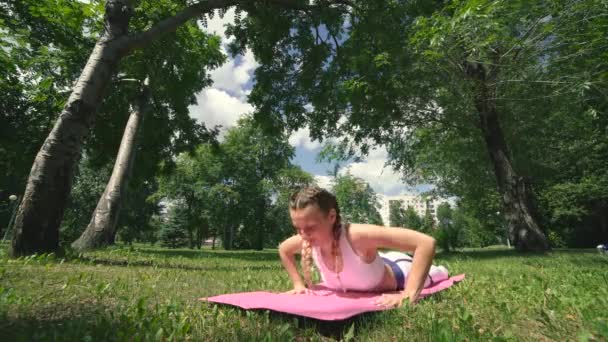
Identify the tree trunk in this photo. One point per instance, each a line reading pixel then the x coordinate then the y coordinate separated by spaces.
pixel 50 180
pixel 228 239
pixel 602 215
pixel 524 231
pixel 101 231
pixel 261 225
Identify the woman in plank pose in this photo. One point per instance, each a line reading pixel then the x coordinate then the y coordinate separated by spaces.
pixel 347 254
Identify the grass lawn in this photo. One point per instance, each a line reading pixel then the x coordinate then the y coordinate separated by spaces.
pixel 149 293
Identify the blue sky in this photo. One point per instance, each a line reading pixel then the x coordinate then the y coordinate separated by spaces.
pixel 224 102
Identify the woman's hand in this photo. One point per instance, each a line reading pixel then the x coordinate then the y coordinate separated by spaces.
pixel 299 289
pixel 391 299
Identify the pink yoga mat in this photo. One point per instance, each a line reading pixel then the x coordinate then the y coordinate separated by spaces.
pixel 325 304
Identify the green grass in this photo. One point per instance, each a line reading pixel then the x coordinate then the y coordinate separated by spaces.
pixel 149 293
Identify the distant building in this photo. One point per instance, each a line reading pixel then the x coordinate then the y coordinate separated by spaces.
pixel 417 202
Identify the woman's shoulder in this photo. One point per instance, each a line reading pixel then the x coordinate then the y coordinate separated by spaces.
pixel 360 233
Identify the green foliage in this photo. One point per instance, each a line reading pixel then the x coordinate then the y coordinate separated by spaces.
pixel 447 232
pixel 357 200
pixel 88 186
pixel 237 190
pixel 428 223
pixel 396 213
pixel 136 215
pixel 43 46
pixel 394 74
pixel 174 232
pixel 411 219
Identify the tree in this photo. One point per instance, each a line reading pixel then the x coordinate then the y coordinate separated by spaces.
pixel 357 200
pixel 411 219
pixel 447 232
pixel 35 47
pixel 189 185
pixel 175 72
pixel 49 183
pixel 395 69
pixel 102 228
pixel 396 213
pixel 236 188
pixel 252 161
pixel 174 232
pixel 428 223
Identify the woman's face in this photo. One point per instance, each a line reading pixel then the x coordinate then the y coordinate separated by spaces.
pixel 312 224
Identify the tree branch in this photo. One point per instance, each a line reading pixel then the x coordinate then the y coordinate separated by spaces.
pixel 171 24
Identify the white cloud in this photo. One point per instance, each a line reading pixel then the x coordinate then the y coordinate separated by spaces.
pixel 302 138
pixel 217 107
pixel 324 181
pixel 234 78
pixel 225 102
pixel 230 76
pixel 382 179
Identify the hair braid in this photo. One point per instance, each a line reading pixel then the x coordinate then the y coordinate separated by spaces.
pixel 307 263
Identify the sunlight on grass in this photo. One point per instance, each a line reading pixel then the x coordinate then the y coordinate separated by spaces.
pixel 150 293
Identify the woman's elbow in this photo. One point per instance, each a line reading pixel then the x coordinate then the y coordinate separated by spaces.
pixel 281 248
pixel 284 249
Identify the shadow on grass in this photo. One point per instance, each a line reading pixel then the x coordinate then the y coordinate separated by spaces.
pixel 80 323
pixel 496 253
pixel 153 263
pixel 94 324
pixel 337 330
pixel 264 255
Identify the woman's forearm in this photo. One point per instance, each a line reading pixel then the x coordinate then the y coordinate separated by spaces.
pixel 421 264
pixel 289 263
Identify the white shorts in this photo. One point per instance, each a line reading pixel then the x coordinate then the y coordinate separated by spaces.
pixel 404 261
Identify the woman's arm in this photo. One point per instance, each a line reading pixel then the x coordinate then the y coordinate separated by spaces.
pixel 422 245
pixel 287 251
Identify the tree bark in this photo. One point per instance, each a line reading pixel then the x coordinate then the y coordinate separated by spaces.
pixel 102 228
pixel 523 229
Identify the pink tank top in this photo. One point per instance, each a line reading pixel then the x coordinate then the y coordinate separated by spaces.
pixel 356 275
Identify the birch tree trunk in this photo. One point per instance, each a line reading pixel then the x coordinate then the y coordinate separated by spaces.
pixel 102 228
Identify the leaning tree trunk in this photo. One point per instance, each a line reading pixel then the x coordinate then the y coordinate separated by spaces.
pixel 524 231
pixel 102 228
pixel 50 180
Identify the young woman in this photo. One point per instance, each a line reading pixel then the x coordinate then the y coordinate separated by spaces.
pixel 347 255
